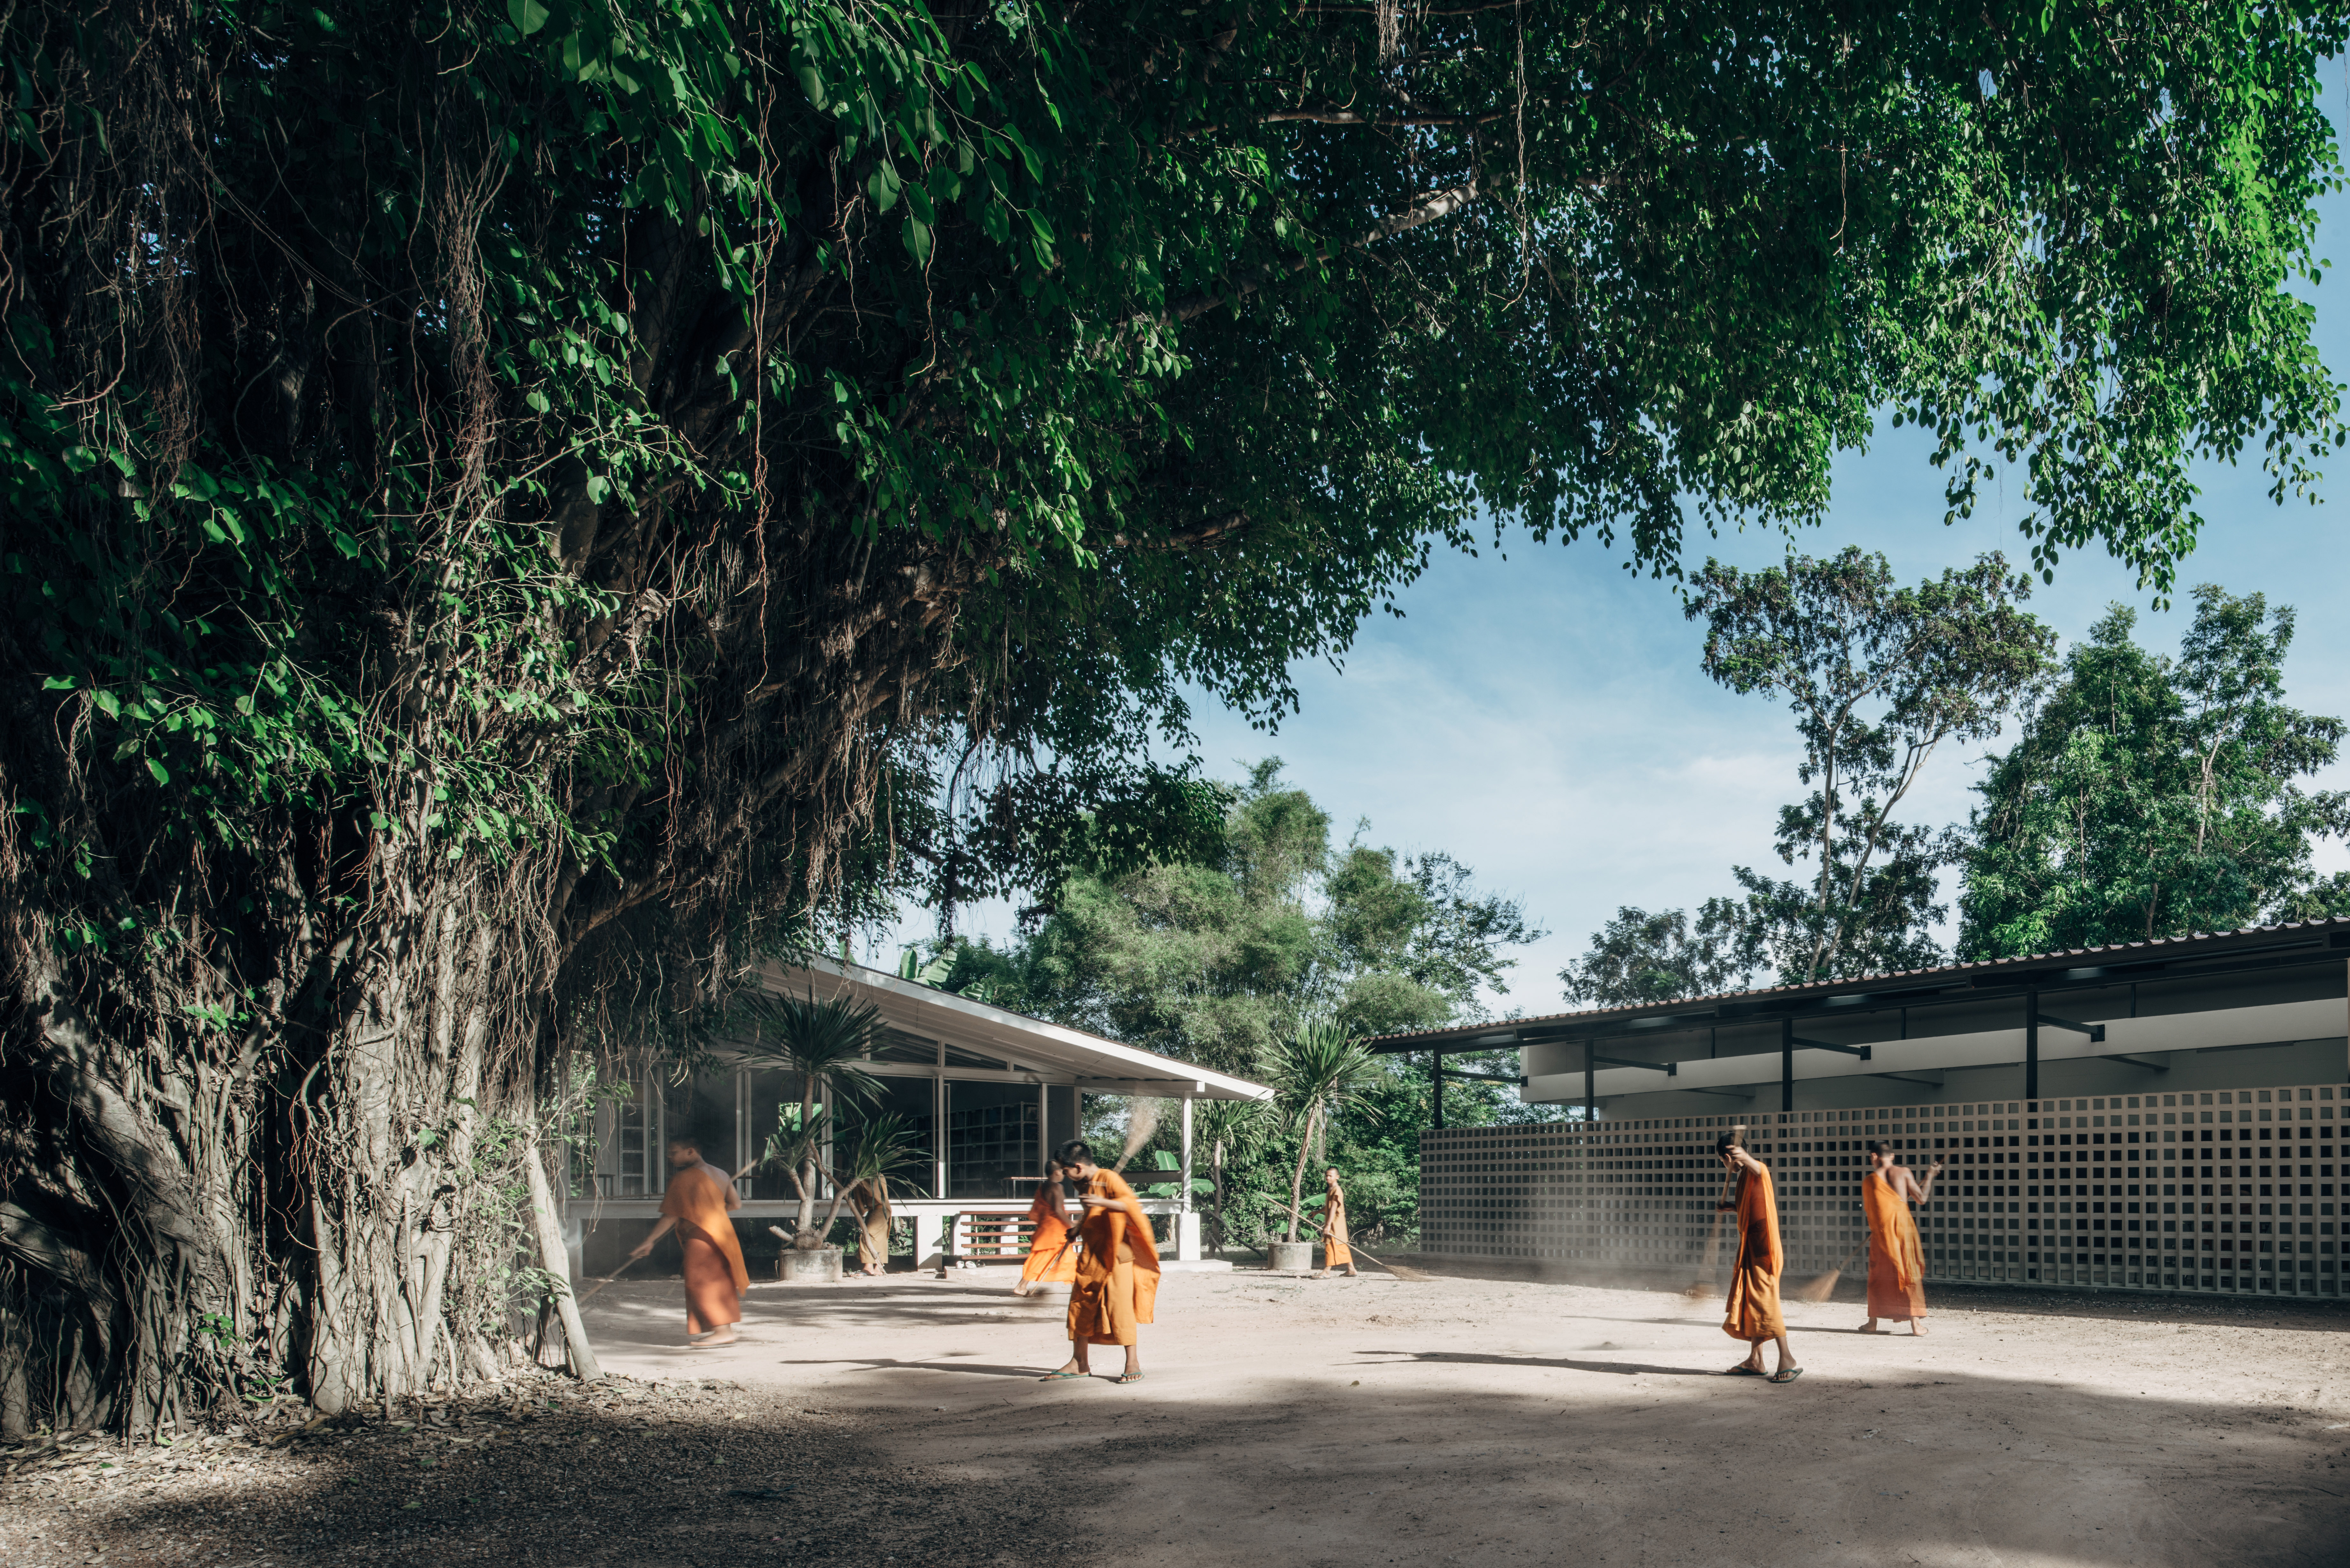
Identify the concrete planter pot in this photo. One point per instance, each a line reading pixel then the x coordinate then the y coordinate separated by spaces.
pixel 1292 1257
pixel 821 1266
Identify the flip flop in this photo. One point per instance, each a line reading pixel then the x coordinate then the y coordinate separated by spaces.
pixel 1128 1377
pixel 1743 1370
pixel 1055 1377
pixel 1787 1375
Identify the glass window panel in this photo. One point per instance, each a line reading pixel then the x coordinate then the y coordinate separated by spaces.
pixel 960 1058
pixel 991 1140
pixel 621 1157
pixel 912 1102
pixel 702 1109
pixel 771 1092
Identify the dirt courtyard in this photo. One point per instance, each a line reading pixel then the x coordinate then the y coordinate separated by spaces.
pixel 1380 1420
pixel 900 1423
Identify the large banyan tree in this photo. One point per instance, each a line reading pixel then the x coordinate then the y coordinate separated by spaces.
pixel 513 507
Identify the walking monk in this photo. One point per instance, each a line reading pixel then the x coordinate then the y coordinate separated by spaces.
pixel 695 1206
pixel 1052 1252
pixel 1118 1273
pixel 1896 1263
pixel 1335 1253
pixel 1753 1314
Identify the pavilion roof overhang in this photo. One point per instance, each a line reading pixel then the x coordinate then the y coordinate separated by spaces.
pixel 1052 1052
pixel 2224 955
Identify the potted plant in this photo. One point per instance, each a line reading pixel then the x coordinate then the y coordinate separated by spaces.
pixel 825 1043
pixel 1316 1073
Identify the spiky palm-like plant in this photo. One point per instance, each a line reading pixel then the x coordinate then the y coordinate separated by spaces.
pixel 1316 1073
pixel 823 1041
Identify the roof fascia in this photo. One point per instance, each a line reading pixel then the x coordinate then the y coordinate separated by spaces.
pixel 1828 1002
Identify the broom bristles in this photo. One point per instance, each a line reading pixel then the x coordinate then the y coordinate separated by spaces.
pixel 1141 1121
pixel 1821 1289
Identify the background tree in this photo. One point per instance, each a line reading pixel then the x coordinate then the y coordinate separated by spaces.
pixel 1217 959
pixel 1878 677
pixel 2150 796
pixel 1640 958
pixel 595 489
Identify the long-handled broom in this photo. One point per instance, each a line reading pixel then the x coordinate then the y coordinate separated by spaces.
pixel 1401 1270
pixel 1703 1286
pixel 590 1294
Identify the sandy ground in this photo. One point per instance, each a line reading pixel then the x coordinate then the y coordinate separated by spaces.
pixel 1376 1420
pixel 900 1423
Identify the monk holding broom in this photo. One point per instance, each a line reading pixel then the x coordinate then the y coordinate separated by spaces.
pixel 1052 1250
pixel 1753 1315
pixel 1896 1263
pixel 1118 1274
pixel 1336 1251
pixel 695 1207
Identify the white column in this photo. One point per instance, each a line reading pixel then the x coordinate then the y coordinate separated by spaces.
pixel 1184 1186
pixel 741 1119
pixel 939 1127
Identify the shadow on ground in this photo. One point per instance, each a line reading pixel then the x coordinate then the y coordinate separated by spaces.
pixel 1685 1465
pixel 721 1478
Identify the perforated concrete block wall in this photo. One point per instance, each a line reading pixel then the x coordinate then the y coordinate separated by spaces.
pixel 2232 1191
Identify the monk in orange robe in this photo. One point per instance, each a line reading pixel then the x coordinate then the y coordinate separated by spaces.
pixel 1336 1253
pixel 1753 1315
pixel 1052 1250
pixel 695 1207
pixel 1897 1262
pixel 1118 1271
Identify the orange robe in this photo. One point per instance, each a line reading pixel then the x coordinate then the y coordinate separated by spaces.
pixel 1896 1263
pixel 1754 1313
pixel 1052 1254
pixel 1335 1253
pixel 1117 1274
pixel 714 1275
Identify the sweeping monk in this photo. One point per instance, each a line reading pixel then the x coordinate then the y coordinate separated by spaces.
pixel 1335 1253
pixel 1896 1263
pixel 1753 1314
pixel 1118 1272
pixel 695 1207
pixel 1052 1252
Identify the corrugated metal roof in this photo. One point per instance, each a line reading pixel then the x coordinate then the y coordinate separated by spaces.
pixel 2069 957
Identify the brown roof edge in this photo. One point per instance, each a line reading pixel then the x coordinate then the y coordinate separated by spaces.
pixel 2247 941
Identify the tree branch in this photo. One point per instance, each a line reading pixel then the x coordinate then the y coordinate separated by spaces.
pixel 1443 204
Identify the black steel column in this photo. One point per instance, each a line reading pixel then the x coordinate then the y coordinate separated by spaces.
pixel 1786 1064
pixel 1436 1076
pixel 2031 1048
pixel 1590 1089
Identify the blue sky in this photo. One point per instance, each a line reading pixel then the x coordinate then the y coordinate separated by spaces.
pixel 1541 715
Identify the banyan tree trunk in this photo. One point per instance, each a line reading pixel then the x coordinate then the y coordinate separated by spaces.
pixel 195 1215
